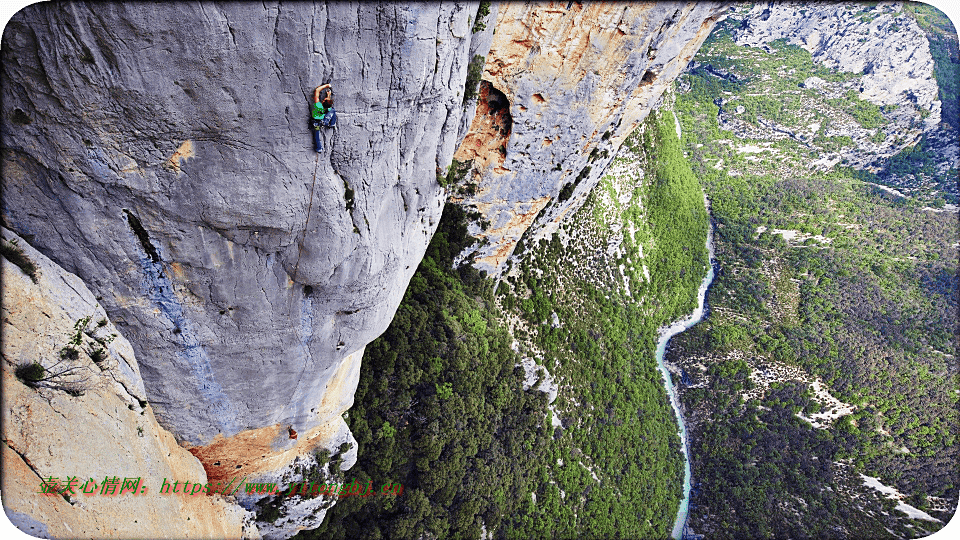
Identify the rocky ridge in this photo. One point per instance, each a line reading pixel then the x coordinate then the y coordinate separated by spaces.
pixel 881 42
pixel 886 60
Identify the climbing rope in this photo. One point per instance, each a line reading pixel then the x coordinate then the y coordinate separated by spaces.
pixel 303 237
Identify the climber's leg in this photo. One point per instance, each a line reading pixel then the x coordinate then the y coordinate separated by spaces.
pixel 317 144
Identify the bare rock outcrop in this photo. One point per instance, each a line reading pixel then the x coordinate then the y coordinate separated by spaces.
pixel 566 83
pixel 85 416
pixel 888 59
pixel 884 44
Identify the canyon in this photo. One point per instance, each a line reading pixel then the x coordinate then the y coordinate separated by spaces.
pixel 462 293
pixel 160 154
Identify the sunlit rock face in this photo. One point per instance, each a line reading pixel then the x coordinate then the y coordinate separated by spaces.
pixel 161 152
pixel 567 82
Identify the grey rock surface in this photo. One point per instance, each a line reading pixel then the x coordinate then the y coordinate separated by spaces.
pixel 161 152
pixel 87 417
pixel 889 56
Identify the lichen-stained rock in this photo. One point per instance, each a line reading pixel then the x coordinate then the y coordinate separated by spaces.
pixel 88 418
pixel 576 78
pixel 161 152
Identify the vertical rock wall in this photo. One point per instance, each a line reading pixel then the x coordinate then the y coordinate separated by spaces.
pixel 577 78
pixel 161 152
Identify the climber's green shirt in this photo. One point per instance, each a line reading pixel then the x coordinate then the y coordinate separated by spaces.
pixel 319 111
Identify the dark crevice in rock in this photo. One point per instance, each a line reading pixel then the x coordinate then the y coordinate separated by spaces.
pixel 648 78
pixel 33 469
pixel 142 235
pixel 20 118
pixel 498 106
pixel 348 196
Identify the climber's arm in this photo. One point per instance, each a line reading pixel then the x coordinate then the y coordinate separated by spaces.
pixel 316 93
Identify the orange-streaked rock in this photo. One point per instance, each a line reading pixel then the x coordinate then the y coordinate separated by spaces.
pixel 579 78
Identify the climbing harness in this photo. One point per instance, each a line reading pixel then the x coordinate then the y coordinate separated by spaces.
pixel 303 237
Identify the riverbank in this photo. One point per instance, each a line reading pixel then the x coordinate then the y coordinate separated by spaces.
pixel 665 334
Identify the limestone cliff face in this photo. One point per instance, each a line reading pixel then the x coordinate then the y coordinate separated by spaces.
pixel 565 83
pixel 88 419
pixel 161 152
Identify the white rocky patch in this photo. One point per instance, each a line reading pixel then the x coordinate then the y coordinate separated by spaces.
pixel 753 149
pixel 764 372
pixel 887 189
pixel 946 208
pixel 893 493
pixel 795 237
pixel 826 162
pixel 533 372
pixel 834 407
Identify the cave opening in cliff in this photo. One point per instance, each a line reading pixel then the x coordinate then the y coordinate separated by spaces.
pixel 648 77
pixel 487 141
pixel 497 107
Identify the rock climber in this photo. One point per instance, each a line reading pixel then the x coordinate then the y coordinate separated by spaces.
pixel 323 114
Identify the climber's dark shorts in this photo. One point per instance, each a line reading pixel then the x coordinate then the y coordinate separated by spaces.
pixel 329 119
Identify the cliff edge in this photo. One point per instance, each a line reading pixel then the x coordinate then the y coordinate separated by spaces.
pixel 564 84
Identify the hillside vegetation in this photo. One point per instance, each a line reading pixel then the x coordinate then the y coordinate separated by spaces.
pixel 586 304
pixel 446 406
pixel 830 350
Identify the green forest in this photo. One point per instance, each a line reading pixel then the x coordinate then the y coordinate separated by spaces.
pixel 441 408
pixel 823 277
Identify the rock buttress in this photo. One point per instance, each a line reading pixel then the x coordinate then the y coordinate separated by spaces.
pixel 578 78
pixel 162 153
